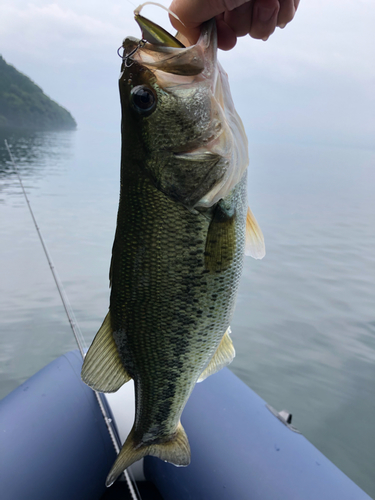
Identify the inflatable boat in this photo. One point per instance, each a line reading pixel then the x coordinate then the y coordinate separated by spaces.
pixel 55 444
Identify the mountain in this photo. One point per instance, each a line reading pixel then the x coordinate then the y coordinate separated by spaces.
pixel 24 105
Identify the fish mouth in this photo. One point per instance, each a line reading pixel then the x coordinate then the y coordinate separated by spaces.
pixel 176 60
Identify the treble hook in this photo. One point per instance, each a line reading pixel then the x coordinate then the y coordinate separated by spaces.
pixel 126 57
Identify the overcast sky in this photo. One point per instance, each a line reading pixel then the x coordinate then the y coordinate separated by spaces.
pixel 312 82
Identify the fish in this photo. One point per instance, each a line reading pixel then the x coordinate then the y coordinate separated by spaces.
pixel 183 228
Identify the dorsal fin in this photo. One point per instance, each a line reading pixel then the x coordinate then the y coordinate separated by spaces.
pixel 102 368
pixel 255 246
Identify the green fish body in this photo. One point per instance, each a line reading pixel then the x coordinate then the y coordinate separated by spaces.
pixel 180 240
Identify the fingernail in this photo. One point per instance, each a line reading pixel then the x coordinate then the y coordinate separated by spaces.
pixel 282 26
pixel 264 14
pixel 265 38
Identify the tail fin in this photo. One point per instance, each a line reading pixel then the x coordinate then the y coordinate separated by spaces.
pixel 176 451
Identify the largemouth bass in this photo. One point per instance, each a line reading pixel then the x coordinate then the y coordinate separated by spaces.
pixel 180 240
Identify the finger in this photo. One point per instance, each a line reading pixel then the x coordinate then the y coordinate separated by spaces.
pixel 264 18
pixel 194 12
pixel 240 19
pixel 287 11
pixel 226 37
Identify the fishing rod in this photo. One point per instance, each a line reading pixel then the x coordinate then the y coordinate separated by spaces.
pixel 75 328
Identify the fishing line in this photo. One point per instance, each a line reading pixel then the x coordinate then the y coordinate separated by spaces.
pixel 73 325
pixel 68 308
pixel 137 11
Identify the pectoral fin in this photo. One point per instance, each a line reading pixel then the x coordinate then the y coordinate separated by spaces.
pixel 102 368
pixel 221 239
pixel 222 357
pixel 254 238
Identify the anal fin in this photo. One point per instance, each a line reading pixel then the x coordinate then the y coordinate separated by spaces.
pixel 175 451
pixel 102 368
pixel 223 356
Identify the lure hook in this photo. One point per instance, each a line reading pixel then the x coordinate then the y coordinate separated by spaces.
pixel 126 57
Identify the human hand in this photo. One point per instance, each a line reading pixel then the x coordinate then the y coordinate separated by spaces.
pixel 234 18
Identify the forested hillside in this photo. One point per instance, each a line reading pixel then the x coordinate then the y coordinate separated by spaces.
pixel 24 105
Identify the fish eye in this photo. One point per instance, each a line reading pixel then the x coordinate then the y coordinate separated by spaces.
pixel 143 99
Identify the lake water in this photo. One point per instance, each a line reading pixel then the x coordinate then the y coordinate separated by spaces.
pixel 304 326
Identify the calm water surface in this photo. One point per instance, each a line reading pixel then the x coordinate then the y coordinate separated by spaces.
pixel 304 327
